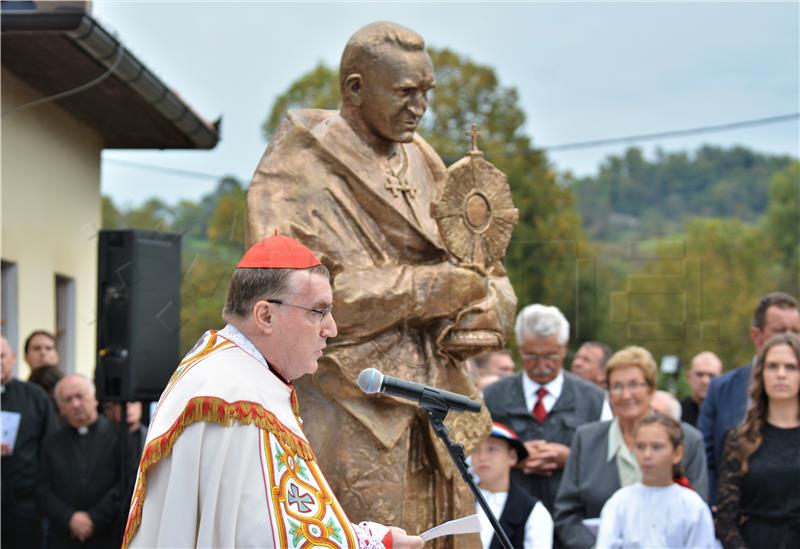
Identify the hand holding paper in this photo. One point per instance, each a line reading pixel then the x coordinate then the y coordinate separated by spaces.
pixel 465 525
pixel 10 426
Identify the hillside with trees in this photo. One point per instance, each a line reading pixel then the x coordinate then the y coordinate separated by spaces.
pixel 632 196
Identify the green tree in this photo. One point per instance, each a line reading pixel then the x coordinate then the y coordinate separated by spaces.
pixel 782 225
pixel 207 262
pixel 317 89
pixel 696 290
pixel 152 215
pixel 226 226
pixel 111 217
pixel 543 256
pixel 190 220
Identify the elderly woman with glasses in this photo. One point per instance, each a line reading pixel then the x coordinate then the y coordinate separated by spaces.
pixel 601 458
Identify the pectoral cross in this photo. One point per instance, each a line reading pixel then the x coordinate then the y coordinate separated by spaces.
pixel 396 182
pixel 397 185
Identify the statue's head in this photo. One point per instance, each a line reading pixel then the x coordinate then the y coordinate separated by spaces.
pixel 384 78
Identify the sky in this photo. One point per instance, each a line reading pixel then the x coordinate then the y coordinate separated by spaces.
pixel 583 71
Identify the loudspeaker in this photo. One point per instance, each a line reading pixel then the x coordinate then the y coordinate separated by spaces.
pixel 138 321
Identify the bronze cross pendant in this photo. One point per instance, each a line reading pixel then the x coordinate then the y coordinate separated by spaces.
pixel 397 185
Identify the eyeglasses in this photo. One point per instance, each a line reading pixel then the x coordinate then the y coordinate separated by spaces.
pixel 547 359
pixel 618 388
pixel 319 314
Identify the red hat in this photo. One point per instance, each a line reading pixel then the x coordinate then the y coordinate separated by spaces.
pixel 278 252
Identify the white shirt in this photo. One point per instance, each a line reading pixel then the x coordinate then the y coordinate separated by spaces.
pixel 530 387
pixel 639 516
pixel 627 466
pixel 538 527
pixel 606 413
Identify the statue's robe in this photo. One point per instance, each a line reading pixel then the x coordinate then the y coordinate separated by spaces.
pixel 393 303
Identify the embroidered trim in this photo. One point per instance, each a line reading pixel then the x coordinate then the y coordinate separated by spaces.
pixel 210 410
pixel 302 503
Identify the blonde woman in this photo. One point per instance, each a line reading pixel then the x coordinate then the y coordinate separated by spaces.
pixel 602 459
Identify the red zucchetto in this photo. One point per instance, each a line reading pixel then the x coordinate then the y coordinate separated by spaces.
pixel 278 252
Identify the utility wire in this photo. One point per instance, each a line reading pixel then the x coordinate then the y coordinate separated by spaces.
pixel 674 133
pixel 163 169
pixel 561 147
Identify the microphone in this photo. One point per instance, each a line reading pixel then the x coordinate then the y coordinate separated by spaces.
pixel 372 381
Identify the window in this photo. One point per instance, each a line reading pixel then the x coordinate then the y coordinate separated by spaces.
pixel 65 323
pixel 8 302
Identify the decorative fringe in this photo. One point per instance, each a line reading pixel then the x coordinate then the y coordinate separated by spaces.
pixel 210 410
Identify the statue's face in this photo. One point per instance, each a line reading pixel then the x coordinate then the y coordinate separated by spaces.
pixel 394 93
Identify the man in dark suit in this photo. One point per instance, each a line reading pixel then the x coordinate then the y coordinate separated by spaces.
pixel 703 368
pixel 544 404
pixel 21 519
pixel 726 403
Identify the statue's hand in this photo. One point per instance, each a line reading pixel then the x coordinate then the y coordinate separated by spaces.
pixel 475 329
pixel 444 289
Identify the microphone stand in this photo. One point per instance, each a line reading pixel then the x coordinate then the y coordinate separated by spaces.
pixel 437 411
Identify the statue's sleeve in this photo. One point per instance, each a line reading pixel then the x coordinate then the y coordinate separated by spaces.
pixel 368 301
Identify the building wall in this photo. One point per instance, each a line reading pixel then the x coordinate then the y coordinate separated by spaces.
pixel 51 211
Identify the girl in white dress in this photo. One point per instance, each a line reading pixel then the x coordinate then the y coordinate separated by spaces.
pixel 659 511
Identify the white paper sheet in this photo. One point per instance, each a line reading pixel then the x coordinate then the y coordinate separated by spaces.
pixel 465 525
pixel 592 524
pixel 10 425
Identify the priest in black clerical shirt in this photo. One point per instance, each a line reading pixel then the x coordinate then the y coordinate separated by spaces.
pixel 21 520
pixel 79 473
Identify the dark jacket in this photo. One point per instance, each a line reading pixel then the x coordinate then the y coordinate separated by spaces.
pixel 516 511
pixel 723 408
pixel 580 402
pixel 21 520
pixel 37 421
pixel 81 473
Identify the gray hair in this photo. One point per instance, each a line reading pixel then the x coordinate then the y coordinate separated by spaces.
pixel 541 321
pixel 668 404
pixel 248 286
pixel 61 381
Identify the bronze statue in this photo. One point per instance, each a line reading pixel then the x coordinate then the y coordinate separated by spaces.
pixel 357 186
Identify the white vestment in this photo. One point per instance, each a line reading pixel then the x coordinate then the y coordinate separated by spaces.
pixel 226 462
pixel 639 516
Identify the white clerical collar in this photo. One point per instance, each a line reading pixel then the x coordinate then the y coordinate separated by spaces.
pixel 553 387
pixel 83 430
pixel 234 334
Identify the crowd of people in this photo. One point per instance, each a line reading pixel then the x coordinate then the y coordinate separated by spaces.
pixel 720 468
pixel 593 457
pixel 589 457
pixel 63 484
